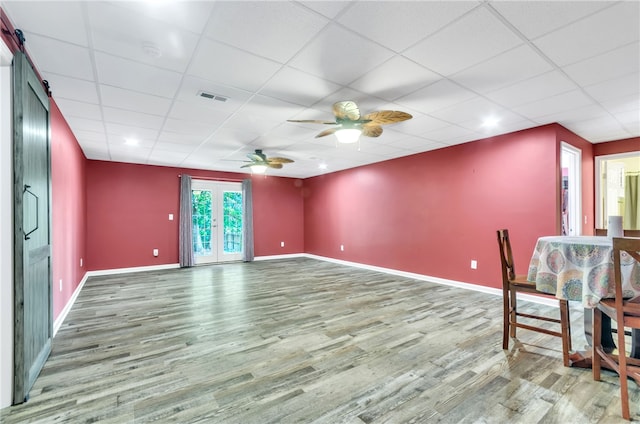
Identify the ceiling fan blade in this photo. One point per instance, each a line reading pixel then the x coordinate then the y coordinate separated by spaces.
pixel 371 130
pixel 279 160
pixel 327 132
pixel 312 121
pixel 346 110
pixel 274 165
pixel 384 117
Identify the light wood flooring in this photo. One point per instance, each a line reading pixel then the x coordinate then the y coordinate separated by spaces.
pixel 304 341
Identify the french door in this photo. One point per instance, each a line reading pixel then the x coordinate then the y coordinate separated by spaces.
pixel 216 221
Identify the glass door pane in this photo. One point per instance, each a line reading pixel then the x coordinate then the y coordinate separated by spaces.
pixel 202 223
pixel 232 216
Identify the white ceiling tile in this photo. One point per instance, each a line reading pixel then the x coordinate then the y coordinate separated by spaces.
pixel 192 112
pixel 617 88
pixel 400 24
pixel 598 33
pixel 556 104
pixel 84 124
pixel 148 40
pixel 505 69
pixel 128 131
pixel 451 134
pixel 235 23
pixel 339 55
pixel 140 77
pixel 188 15
pixel 298 87
pixel 395 78
pixel 133 100
pixel 226 65
pixel 50 55
pixel 475 37
pixel 607 66
pixel 78 109
pixel 68 25
pixel 72 88
pixel 441 94
pixel 134 119
pixel 532 89
pixel 330 9
pixel 202 129
pixel 622 104
pixel 179 138
pixel 535 18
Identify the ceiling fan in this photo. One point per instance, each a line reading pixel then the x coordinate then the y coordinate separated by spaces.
pixel 350 124
pixel 259 162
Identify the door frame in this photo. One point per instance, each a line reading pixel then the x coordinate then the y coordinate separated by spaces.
pixel 572 157
pixel 218 188
pixel 6 229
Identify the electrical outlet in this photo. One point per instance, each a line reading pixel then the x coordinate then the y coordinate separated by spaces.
pixel 80 262
pixel 60 284
pixel 170 217
pixel 281 244
pixel 474 264
pixel 342 247
pixel 155 252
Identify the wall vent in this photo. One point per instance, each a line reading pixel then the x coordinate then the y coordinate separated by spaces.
pixel 212 96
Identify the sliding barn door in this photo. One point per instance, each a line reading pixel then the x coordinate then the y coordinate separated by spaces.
pixel 32 240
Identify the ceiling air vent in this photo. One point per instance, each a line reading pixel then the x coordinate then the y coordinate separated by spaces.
pixel 212 96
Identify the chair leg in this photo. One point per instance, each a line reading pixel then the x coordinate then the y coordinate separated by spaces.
pixel 505 319
pixel 566 331
pixel 513 317
pixel 622 363
pixel 596 343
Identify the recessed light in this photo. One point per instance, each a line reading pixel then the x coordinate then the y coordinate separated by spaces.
pixel 131 141
pixel 322 166
pixel 490 122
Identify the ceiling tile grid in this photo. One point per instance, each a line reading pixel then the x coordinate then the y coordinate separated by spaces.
pixel 202 84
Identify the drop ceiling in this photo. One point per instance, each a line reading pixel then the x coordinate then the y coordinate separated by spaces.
pixel 120 70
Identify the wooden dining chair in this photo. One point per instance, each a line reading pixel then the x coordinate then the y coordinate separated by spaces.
pixel 626 313
pixel 513 284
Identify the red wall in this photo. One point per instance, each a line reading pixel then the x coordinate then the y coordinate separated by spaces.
pixel 128 207
pixel 432 213
pixel 69 210
pixel 278 215
pixel 620 146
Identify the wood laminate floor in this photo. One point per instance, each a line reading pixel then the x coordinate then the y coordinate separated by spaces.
pixel 304 341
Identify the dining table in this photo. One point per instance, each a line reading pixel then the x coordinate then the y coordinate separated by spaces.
pixel 580 268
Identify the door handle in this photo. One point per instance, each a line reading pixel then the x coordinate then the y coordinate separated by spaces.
pixel 25 192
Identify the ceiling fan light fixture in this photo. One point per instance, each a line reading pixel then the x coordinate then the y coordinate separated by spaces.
pixel 348 135
pixel 258 169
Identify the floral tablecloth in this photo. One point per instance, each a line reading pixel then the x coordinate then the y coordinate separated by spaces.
pixel 581 268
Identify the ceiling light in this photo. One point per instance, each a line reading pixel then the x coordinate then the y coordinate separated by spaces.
pixel 348 135
pixel 490 122
pixel 258 169
pixel 322 166
pixel 131 141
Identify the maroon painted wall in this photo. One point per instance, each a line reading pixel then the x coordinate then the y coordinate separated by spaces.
pixel 432 213
pixel 128 206
pixel 620 146
pixel 69 210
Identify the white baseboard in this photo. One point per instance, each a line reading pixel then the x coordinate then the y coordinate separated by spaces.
pixel 438 280
pixel 58 322
pixel 287 256
pixel 132 269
